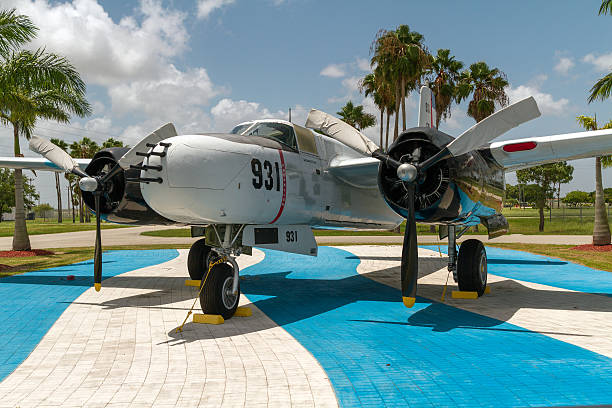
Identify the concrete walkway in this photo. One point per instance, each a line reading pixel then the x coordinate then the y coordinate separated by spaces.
pixel 132 236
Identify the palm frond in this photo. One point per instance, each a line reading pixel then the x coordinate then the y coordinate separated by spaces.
pixel 602 88
pixel 15 30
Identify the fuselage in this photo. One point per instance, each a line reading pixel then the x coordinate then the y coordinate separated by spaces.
pixel 251 179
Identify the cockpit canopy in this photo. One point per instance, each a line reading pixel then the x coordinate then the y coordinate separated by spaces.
pixel 290 135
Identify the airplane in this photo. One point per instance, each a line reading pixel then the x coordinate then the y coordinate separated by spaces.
pixel 268 183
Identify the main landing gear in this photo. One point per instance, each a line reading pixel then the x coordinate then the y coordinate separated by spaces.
pixel 218 272
pixel 469 268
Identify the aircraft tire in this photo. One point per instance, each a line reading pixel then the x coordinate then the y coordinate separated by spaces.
pixel 214 298
pixel 472 267
pixel 197 260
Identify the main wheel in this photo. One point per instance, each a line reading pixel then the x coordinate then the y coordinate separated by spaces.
pixel 197 260
pixel 217 297
pixel 472 266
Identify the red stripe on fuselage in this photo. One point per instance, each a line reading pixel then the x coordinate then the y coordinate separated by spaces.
pixel 282 206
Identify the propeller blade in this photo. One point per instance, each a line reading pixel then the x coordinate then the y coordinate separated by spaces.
pixel 341 131
pixel 98 247
pixel 410 254
pixel 494 126
pixel 55 155
pixel 130 158
pixel 486 130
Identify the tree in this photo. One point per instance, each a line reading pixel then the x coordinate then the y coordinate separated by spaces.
pixel 7 192
pixel 512 192
pixel 577 197
pixel 371 85
pixel 445 70
pixel 402 60
pixel 603 87
pixel 545 178
pixel 487 87
pixel 356 117
pixel 601 227
pixel 110 142
pixel 58 188
pixel 34 85
pixel 42 210
pixel 84 149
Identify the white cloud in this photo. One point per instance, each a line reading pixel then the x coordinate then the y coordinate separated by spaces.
pixel 351 83
pixel 227 113
pixel 103 51
pixel 547 104
pixel 333 71
pixel 564 65
pixel 206 7
pixel 602 63
pixel 363 64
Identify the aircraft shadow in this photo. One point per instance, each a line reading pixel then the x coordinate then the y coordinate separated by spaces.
pixel 290 300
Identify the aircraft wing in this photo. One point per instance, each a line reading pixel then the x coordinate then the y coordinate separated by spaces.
pixel 360 172
pixel 35 163
pixel 523 153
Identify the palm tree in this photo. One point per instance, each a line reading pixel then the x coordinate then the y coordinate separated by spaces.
pixel 110 142
pixel 487 87
pixel 85 149
pixel 402 60
pixel 601 227
pixel 15 31
pixel 370 85
pixel 356 117
pixel 603 87
pixel 444 85
pixel 34 85
pixel 64 146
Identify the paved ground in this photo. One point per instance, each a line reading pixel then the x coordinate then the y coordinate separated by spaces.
pixel 131 236
pixel 325 330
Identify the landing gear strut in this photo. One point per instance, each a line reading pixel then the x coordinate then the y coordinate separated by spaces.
pixel 218 272
pixel 469 268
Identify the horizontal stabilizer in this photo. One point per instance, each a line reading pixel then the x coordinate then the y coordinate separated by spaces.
pixel 523 153
pixel 38 163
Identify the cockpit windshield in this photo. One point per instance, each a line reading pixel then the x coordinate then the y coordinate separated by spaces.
pixel 241 128
pixel 276 131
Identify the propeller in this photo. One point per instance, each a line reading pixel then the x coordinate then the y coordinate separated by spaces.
pixel 98 185
pixel 410 169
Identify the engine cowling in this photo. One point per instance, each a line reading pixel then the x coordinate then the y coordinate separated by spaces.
pixel 431 186
pixel 123 204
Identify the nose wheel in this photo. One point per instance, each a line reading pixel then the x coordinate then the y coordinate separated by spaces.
pixel 217 297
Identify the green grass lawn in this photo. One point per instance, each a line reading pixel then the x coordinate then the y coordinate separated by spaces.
pixel 37 227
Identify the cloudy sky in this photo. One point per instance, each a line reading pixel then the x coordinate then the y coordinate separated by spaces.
pixel 208 64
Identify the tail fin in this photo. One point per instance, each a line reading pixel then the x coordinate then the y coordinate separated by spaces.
pixel 427 110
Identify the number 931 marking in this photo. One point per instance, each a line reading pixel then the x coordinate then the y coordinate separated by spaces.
pixel 258 173
pixel 292 236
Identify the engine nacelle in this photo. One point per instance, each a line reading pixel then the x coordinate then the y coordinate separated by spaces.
pixel 435 196
pixel 123 204
pixel 460 190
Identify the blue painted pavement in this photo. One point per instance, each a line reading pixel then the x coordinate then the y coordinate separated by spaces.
pixel 544 270
pixel 31 302
pixel 378 353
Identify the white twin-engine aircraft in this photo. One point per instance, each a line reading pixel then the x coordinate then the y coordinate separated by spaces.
pixel 268 182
